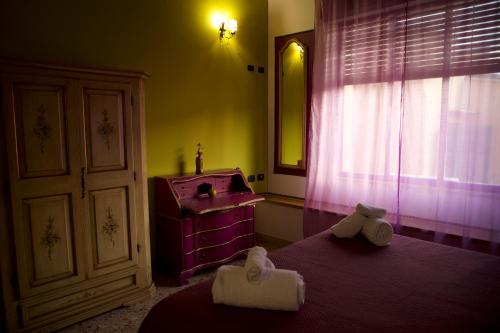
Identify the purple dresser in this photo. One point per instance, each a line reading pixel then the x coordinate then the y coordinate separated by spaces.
pixel 196 228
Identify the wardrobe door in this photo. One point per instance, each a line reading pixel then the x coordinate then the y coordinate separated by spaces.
pixel 44 175
pixel 109 175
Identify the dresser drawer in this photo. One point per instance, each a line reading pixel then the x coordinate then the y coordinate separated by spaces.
pixel 217 220
pixel 188 244
pixel 221 236
pixel 217 237
pixel 224 251
pixel 217 254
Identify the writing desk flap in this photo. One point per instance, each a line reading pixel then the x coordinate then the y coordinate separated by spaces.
pixel 176 195
pixel 221 202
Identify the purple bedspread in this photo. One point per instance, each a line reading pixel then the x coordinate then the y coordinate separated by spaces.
pixel 353 286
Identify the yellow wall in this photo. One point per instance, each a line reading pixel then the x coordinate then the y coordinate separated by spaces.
pixel 198 90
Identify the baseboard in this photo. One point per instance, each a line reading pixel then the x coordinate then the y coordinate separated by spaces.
pixel 284 200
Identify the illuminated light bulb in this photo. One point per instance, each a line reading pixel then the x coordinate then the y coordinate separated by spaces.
pixel 218 20
pixel 232 26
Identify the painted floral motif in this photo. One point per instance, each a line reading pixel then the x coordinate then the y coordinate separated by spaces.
pixel 50 237
pixel 105 129
pixel 42 129
pixel 110 227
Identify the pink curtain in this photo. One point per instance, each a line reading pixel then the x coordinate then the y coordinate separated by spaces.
pixel 406 113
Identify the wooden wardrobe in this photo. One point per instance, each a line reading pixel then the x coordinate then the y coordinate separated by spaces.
pixel 74 229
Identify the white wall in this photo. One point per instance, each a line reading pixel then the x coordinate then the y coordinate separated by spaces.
pixel 278 221
pixel 284 17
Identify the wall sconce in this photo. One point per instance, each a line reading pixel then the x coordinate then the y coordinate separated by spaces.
pixel 227 29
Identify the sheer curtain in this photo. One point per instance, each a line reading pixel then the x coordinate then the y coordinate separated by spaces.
pixel 406 113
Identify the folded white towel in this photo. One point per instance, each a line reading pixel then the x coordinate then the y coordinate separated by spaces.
pixel 282 290
pixel 370 211
pixel 377 231
pixel 349 226
pixel 258 266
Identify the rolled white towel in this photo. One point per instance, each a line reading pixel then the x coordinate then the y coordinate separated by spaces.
pixel 258 266
pixel 349 226
pixel 377 231
pixel 370 211
pixel 282 290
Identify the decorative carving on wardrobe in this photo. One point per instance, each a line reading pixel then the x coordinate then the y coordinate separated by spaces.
pixel 50 237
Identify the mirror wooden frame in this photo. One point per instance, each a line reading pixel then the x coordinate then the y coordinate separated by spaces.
pixel 305 38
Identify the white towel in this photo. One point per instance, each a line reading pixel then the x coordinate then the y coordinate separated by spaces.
pixel 370 211
pixel 282 290
pixel 349 226
pixel 258 266
pixel 377 231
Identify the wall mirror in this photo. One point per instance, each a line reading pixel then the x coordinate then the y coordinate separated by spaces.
pixel 293 72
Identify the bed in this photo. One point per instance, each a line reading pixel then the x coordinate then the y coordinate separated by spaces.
pixel 353 286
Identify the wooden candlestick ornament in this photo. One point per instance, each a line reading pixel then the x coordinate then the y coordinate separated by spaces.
pixel 199 160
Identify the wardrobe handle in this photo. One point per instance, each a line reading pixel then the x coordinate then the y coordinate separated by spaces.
pixel 82 181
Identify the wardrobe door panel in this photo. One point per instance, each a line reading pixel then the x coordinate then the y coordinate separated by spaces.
pixel 110 219
pixel 40 112
pixel 49 231
pixel 104 111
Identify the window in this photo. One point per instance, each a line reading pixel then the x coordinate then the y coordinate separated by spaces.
pixel 443 53
pixel 406 112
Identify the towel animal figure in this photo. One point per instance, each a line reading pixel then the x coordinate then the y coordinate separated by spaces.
pixel 258 266
pixel 370 211
pixel 281 290
pixel 349 226
pixel 378 231
pixel 367 219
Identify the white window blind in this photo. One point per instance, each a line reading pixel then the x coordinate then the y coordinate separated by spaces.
pixel 422 40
